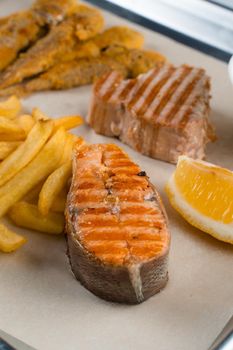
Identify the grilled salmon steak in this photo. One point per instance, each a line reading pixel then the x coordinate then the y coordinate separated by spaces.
pixel 118 240
pixel 163 113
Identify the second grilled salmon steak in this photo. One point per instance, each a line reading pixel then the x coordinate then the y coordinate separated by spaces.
pixel 118 240
pixel 163 113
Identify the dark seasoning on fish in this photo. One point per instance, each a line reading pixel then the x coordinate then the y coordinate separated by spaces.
pixel 118 240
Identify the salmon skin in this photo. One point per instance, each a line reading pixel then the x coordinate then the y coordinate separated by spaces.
pixel 163 113
pixel 117 234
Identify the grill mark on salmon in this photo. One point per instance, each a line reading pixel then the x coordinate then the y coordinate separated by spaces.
pixel 163 113
pixel 117 227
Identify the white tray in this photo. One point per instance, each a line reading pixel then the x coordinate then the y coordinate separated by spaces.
pixel 42 304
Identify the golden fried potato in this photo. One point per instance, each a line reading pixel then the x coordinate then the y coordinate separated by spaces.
pixel 52 186
pixel 68 122
pixel 26 151
pixel 13 136
pixel 71 139
pixel 59 202
pixel 11 107
pixel 45 162
pixel 27 215
pixel 9 240
pixel 7 147
pixel 8 126
pixel 26 122
pixel 37 115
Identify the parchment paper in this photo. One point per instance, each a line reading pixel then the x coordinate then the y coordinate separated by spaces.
pixel 42 304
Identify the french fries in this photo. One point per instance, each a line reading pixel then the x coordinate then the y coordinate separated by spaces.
pixel 10 108
pixel 52 186
pixel 37 115
pixel 59 202
pixel 27 215
pixel 68 122
pixel 26 151
pixel 33 195
pixel 38 169
pixel 7 147
pixel 13 136
pixel 8 126
pixel 35 169
pixel 9 240
pixel 26 122
pixel 70 141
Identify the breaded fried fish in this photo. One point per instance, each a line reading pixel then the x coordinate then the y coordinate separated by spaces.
pixel 85 23
pixel 19 30
pixel 65 75
pixel 114 36
pixel 53 11
pixel 17 33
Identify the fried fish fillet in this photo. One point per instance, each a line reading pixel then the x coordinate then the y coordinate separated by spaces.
pixel 17 33
pixel 136 61
pixel 65 75
pixel 85 23
pixel 114 36
pixel 19 30
pixel 53 11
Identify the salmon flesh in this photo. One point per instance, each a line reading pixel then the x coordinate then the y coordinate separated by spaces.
pixel 117 234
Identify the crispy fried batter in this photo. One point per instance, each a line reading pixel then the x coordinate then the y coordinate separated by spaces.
pixel 120 35
pixel 65 75
pixel 84 23
pixel 113 36
pixel 53 11
pixel 136 61
pixel 19 30
pixel 89 22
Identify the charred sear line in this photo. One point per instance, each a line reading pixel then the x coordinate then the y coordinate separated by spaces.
pixel 142 173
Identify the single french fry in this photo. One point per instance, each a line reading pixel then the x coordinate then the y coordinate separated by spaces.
pixel 27 215
pixel 26 122
pixel 59 202
pixel 39 168
pixel 26 151
pixel 9 240
pixel 7 147
pixel 11 107
pixel 37 115
pixel 68 122
pixel 68 149
pixel 13 136
pixel 33 195
pixel 8 126
pixel 52 186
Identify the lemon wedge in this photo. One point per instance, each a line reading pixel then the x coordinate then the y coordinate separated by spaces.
pixel 203 194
